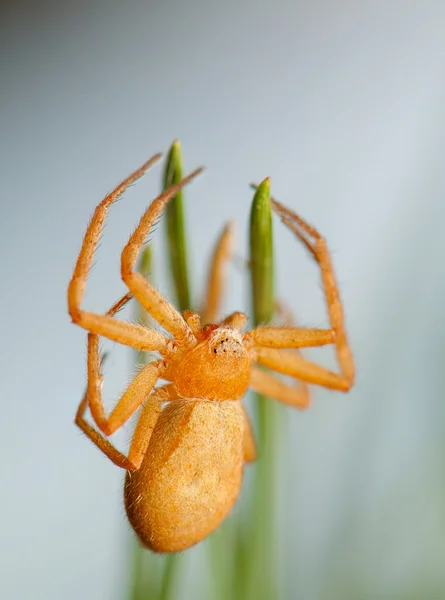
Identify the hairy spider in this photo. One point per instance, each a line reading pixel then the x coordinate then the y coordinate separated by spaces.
pixel 185 463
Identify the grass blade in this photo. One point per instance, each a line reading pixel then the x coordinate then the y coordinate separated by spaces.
pixel 169 576
pixel 177 247
pixel 261 254
pixel 260 552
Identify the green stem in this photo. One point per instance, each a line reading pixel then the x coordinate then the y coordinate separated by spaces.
pixel 261 582
pixel 223 559
pixel 261 255
pixel 169 576
pixel 177 247
pixel 136 583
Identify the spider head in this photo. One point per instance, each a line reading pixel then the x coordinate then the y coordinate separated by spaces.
pixel 218 368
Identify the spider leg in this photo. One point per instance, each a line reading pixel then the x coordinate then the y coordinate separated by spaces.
pixel 267 384
pixel 135 336
pixel 136 392
pixel 215 281
pixel 153 302
pixel 263 382
pixel 132 398
pixel 102 443
pixel 289 337
pixel 236 320
pixel 291 363
pixel 322 256
pixel 122 411
pixel 294 365
pixel 249 445
pixel 142 433
pixel 193 320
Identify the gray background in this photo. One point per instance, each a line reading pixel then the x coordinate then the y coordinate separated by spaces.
pixel 342 104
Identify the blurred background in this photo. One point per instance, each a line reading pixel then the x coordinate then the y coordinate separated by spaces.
pixel 341 103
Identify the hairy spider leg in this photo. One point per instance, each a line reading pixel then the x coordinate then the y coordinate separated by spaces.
pixel 236 321
pixel 296 395
pixel 215 287
pixel 193 320
pixel 142 433
pixel 135 394
pixel 269 385
pixel 215 281
pixel 291 363
pixel 289 337
pixel 249 445
pixel 153 302
pixel 136 391
pixel 133 397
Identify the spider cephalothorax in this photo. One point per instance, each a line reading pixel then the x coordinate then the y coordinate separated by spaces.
pixel 184 466
pixel 217 368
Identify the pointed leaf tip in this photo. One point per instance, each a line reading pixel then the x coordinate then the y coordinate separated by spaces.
pixel 177 246
pixel 261 253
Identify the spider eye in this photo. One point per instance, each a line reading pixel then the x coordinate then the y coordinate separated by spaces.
pixel 228 345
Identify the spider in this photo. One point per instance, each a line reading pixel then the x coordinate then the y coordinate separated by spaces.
pixel 185 462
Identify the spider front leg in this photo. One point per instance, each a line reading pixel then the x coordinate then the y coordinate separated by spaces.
pixel 135 336
pixel 153 302
pixel 267 341
pixel 321 254
pixel 267 384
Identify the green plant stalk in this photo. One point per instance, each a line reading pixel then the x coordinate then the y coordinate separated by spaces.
pixel 261 255
pixel 242 558
pixel 136 579
pixel 169 576
pixel 260 550
pixel 222 545
pixel 177 247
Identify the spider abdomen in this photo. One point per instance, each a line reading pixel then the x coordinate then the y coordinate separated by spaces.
pixel 190 476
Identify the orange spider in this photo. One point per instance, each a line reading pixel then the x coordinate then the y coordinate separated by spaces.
pixel 185 463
